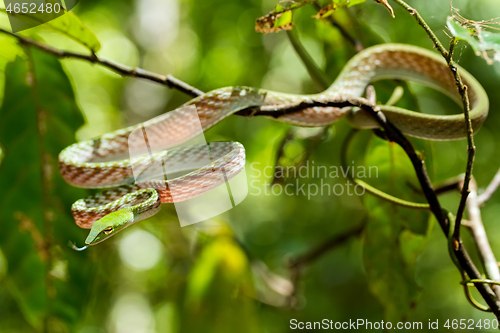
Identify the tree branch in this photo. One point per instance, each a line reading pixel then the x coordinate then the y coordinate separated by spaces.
pixel 490 190
pixel 462 89
pixel 391 132
pixel 394 135
pixel 168 80
pixel 316 74
pixel 310 256
pixel 477 229
pixel 297 264
pixel 358 46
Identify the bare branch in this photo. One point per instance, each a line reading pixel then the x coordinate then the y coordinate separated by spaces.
pixel 492 300
pixel 319 78
pixel 358 45
pixel 462 89
pixel 394 135
pixel 490 190
pixel 477 229
pixel 297 264
pixel 167 80
pixel 312 255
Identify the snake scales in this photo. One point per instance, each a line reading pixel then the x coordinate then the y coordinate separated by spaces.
pixel 104 162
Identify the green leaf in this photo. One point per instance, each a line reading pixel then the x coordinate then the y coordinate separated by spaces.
pixel 10 48
pixel 278 9
pixel 68 25
pixel 348 3
pixel 395 236
pixel 33 17
pixel 220 274
pixel 8 52
pixel 38 119
pixel 463 33
pixel 395 173
pixel 486 44
pixel 490 41
pixel 220 256
pixel 280 18
pixel 283 20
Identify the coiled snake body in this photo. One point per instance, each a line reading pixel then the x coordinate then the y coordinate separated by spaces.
pixel 104 162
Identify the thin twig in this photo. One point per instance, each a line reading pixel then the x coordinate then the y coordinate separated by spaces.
pixel 358 45
pixel 167 80
pixel 462 89
pixel 471 149
pixel 322 83
pixel 276 111
pixel 490 190
pixel 475 223
pixel 316 74
pixel 481 239
pixel 451 184
pixel 297 264
pixel 460 252
pixel 413 12
pixel 394 135
pixel 310 256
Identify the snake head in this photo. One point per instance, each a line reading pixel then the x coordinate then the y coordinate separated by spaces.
pixel 109 225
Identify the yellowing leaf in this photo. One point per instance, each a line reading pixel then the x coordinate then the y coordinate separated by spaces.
pixel 274 22
pixel 221 261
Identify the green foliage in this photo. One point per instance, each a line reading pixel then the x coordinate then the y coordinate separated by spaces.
pixel 394 236
pixel 220 272
pixel 203 281
pixel 281 17
pixel 44 275
pixel 347 3
pixel 284 20
pixel 482 42
pixel 10 49
pixel 68 25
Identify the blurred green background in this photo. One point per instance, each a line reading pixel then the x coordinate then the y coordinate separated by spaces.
pixel 231 275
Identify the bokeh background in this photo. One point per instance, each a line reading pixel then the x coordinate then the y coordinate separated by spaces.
pixel 233 274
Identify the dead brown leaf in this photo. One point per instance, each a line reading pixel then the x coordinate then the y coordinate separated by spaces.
pixel 386 5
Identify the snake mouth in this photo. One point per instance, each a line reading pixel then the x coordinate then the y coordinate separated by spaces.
pixel 76 248
pixel 89 240
pixel 93 239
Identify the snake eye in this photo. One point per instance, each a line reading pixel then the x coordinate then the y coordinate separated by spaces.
pixel 108 230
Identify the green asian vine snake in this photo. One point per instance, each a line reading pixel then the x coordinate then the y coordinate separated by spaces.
pixel 104 162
